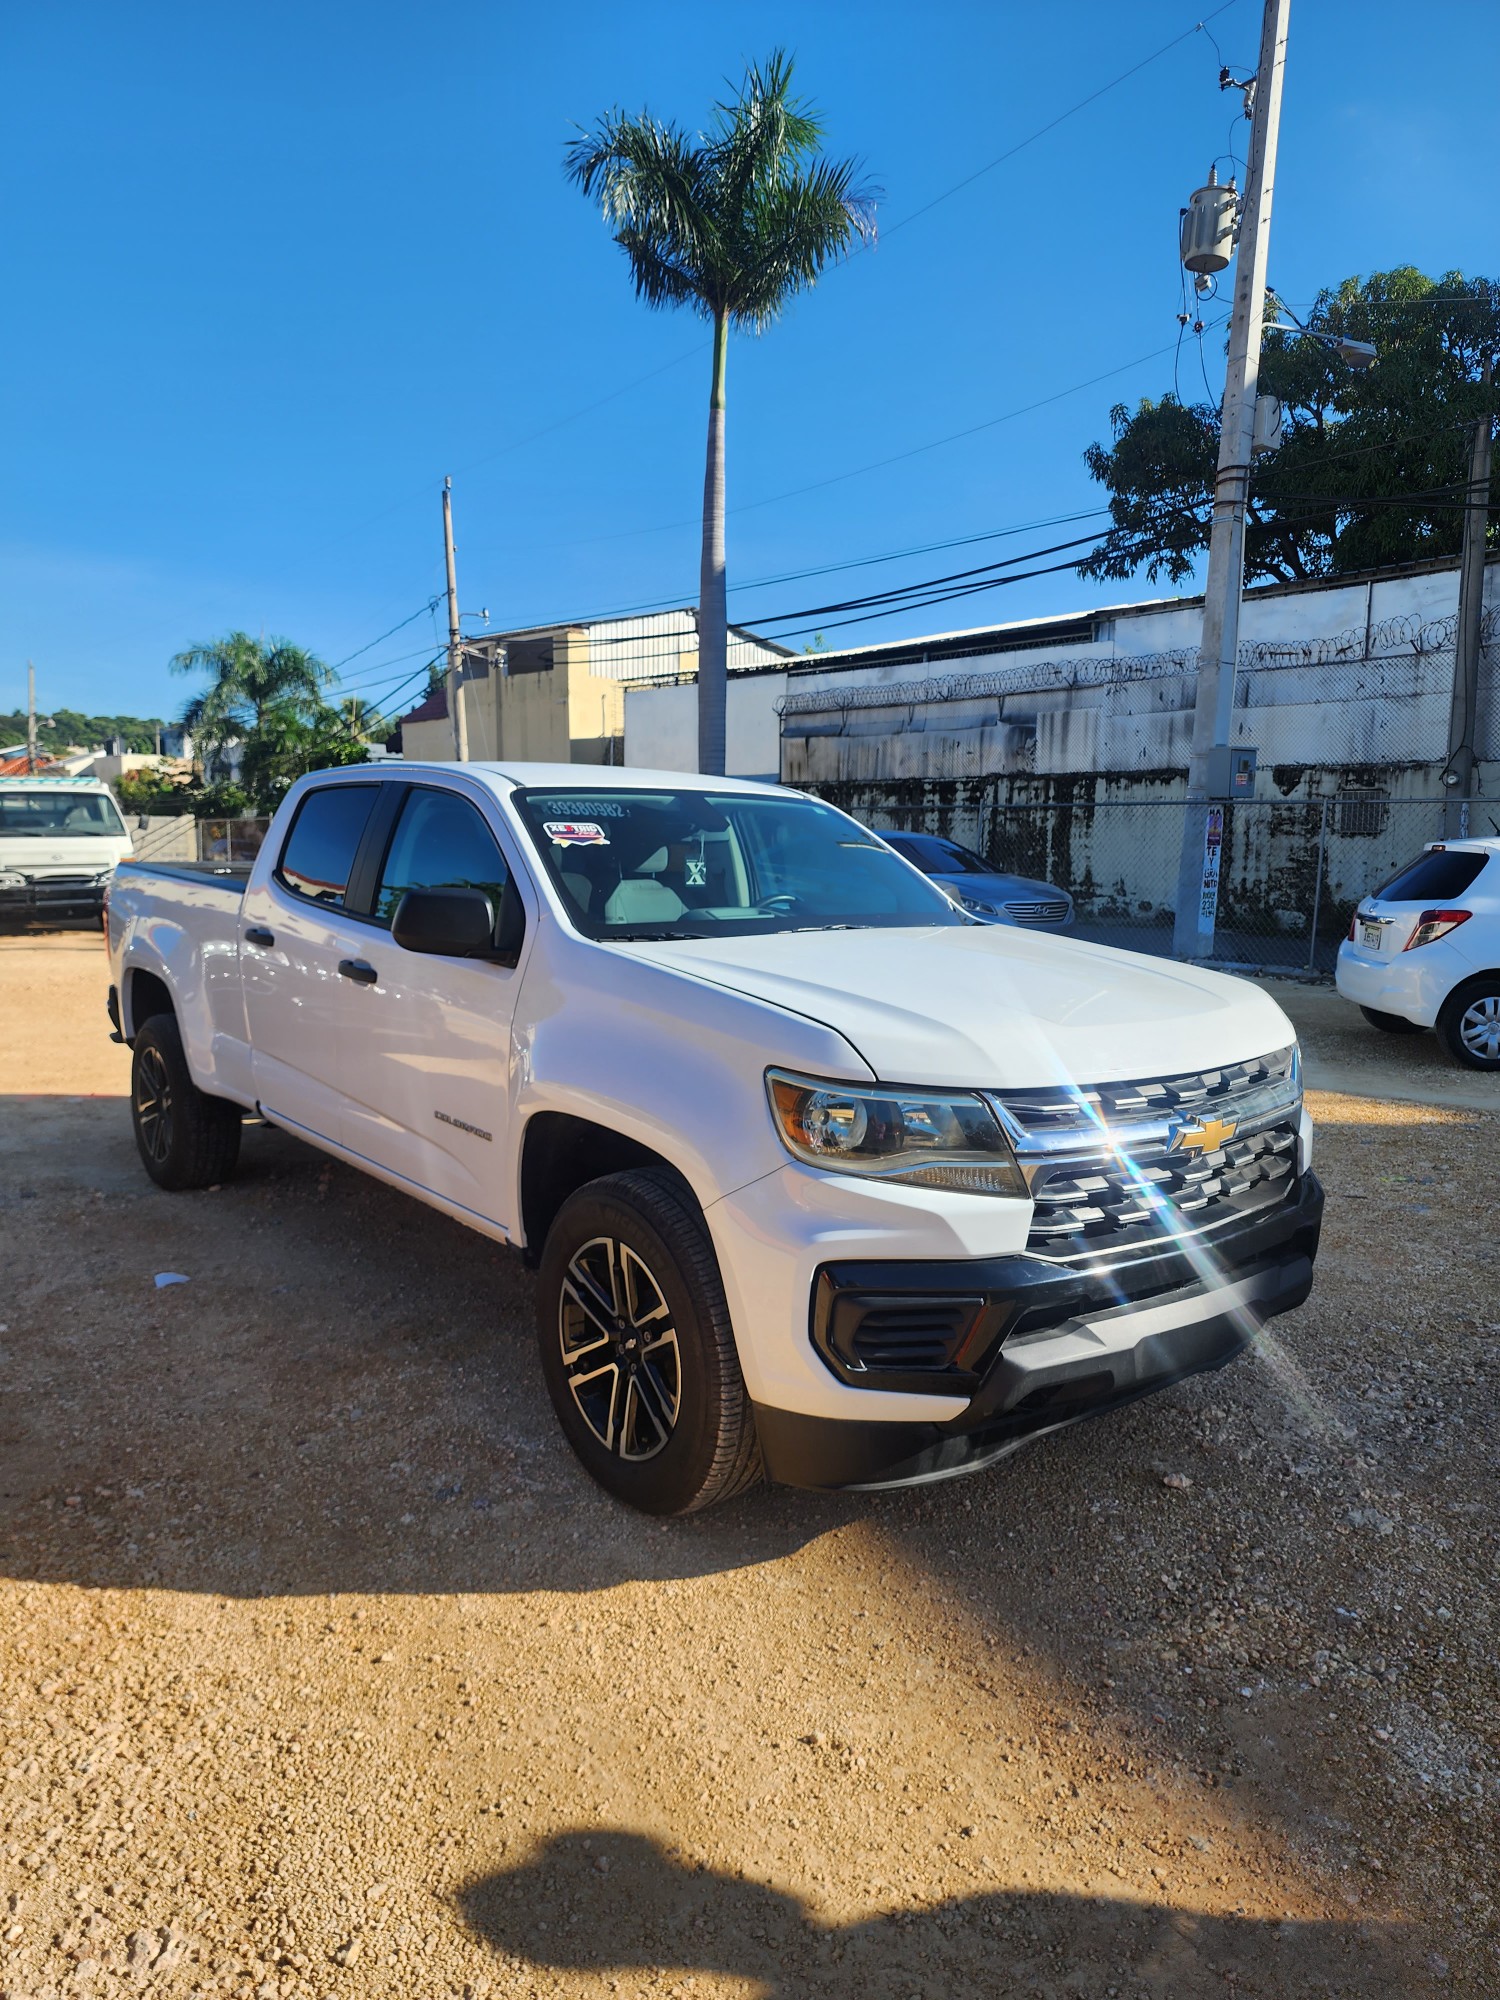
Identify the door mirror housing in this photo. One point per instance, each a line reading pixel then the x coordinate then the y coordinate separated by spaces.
pixel 460 923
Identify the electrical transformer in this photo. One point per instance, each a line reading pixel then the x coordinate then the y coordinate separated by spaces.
pixel 1208 227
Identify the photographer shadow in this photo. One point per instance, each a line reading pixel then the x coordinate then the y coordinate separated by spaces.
pixel 614 1901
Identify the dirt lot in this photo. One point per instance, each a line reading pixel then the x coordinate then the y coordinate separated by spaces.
pixel 324 1672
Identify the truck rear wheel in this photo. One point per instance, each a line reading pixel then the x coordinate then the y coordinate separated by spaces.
pixel 637 1348
pixel 1469 1025
pixel 186 1138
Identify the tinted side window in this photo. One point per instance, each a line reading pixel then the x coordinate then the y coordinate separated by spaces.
pixel 440 842
pixel 320 849
pixel 1433 878
pixel 922 851
pixel 963 860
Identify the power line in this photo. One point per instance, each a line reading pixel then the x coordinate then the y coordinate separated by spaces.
pixel 684 603
pixel 896 458
pixel 1061 118
pixel 383 636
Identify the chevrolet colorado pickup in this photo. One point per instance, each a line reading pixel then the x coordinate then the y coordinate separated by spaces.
pixel 821 1178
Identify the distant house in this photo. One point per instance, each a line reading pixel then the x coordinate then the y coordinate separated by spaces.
pixel 556 693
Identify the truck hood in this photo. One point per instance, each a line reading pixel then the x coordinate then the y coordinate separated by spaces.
pixel 61 853
pixel 991 1006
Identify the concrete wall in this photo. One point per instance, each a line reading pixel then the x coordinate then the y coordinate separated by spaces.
pixel 661 727
pixel 1116 708
pixel 163 838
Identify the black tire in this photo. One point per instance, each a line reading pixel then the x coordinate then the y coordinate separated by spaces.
pixel 1391 1024
pixel 1469 1024
pixel 186 1139
pixel 661 1418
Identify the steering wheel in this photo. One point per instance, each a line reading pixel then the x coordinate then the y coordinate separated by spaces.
pixel 781 905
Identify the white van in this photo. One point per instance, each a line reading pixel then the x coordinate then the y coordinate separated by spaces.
pixel 60 840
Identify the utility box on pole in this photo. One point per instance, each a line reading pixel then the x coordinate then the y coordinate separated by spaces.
pixel 1231 772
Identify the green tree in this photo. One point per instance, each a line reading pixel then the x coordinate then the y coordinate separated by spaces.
pixel 270 699
pixel 1371 466
pixel 731 223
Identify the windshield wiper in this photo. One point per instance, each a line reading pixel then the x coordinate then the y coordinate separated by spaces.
pixel 654 937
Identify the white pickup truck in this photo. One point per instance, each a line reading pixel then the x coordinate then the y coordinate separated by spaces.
pixel 822 1178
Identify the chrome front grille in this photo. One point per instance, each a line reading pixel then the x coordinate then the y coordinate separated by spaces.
pixel 1037 913
pixel 1110 1201
pixel 1116 1165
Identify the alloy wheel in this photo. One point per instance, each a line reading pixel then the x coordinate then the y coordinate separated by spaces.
pixel 1479 1027
pixel 619 1349
pixel 152 1105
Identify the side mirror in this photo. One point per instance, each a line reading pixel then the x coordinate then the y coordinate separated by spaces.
pixel 460 923
pixel 446 923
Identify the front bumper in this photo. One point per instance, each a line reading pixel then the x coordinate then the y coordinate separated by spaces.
pixel 1062 1344
pixel 63 896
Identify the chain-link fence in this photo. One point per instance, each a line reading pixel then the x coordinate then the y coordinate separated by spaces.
pixel 229 841
pixel 1290 871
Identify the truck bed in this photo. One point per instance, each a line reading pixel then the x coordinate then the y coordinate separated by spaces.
pixel 231 876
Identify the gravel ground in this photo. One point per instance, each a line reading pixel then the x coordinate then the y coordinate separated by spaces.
pixel 324 1671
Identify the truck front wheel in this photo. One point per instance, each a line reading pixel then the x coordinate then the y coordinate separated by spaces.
pixel 186 1138
pixel 637 1348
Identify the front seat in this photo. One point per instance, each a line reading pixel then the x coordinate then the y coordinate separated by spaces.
pixel 642 899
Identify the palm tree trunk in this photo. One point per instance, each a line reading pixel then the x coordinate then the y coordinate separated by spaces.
pixel 713 613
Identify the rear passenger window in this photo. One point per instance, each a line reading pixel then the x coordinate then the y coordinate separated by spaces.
pixel 319 854
pixel 1435 877
pixel 440 842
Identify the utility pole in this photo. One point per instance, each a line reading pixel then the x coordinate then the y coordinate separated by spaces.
pixel 455 646
pixel 30 718
pixel 1458 773
pixel 1218 657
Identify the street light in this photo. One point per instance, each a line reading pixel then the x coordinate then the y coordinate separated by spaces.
pixel 1358 354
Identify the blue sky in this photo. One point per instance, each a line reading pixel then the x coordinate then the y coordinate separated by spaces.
pixel 275 270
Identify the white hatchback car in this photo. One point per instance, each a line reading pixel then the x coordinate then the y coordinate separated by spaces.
pixel 1424 951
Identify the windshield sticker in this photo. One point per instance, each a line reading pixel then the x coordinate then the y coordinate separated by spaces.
pixel 575 833
pixel 596 808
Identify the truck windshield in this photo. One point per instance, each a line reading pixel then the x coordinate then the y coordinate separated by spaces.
pixel 689 864
pixel 52 813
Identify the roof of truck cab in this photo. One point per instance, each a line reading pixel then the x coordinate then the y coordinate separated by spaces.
pixel 52 781
pixel 591 777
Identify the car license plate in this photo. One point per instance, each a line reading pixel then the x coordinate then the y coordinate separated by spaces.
pixel 1371 936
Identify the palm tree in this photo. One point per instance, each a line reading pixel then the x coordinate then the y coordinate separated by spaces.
pixel 732 224
pixel 253 686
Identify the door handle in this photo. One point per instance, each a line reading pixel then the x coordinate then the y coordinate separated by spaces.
pixel 359 970
pixel 258 934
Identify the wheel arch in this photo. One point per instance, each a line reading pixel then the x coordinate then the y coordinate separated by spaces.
pixel 560 1153
pixel 145 993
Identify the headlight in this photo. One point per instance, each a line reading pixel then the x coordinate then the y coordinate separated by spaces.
pixel 944 1139
pixel 980 909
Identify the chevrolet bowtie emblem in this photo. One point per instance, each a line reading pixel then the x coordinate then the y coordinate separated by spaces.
pixel 1205 1135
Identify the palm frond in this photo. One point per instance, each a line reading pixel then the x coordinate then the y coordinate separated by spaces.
pixel 647 179
pixel 798 226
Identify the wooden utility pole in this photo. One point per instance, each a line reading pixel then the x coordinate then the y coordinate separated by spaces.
pixel 1458 773
pixel 455 645
pixel 30 717
pixel 1213 710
